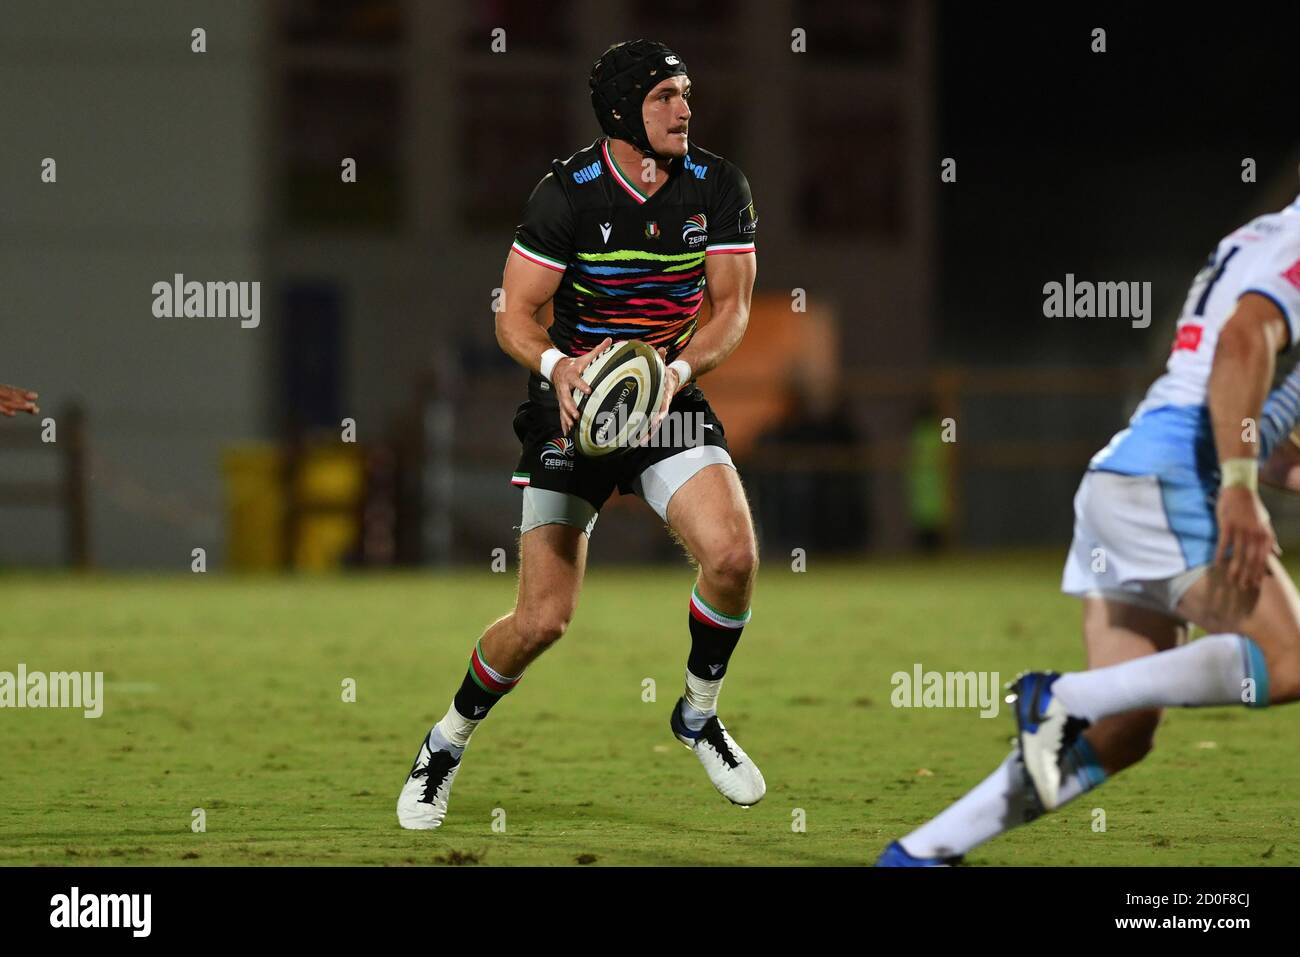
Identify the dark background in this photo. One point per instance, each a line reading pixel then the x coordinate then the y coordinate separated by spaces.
pixel 925 297
pixel 1124 164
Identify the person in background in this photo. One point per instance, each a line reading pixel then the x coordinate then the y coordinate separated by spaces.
pixel 14 400
pixel 927 479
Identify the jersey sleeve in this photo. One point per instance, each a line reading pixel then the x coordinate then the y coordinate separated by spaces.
pixel 1277 277
pixel 733 224
pixel 546 234
pixel 1281 414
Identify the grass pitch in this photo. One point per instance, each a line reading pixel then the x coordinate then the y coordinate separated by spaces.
pixel 225 694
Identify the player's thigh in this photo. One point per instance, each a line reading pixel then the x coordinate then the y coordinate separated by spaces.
pixel 1115 632
pixel 710 514
pixel 1269 616
pixel 552 563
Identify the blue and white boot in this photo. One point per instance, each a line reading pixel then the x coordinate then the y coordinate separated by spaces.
pixel 895 855
pixel 1046 731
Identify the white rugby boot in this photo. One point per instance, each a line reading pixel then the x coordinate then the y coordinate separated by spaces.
pixel 728 766
pixel 423 802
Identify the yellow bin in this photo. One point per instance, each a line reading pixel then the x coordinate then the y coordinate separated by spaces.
pixel 255 506
pixel 328 491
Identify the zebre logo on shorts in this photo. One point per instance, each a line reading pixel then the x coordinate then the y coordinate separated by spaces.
pixel 558 453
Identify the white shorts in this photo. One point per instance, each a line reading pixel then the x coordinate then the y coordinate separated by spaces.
pixel 1139 539
pixel 657 485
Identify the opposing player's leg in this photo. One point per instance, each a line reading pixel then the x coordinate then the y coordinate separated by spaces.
pixel 700 496
pixel 553 558
pixel 1113 631
pixel 1116 632
pixel 1251 658
pixel 1270 616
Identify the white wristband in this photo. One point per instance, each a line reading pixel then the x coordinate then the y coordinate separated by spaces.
pixel 1243 471
pixel 549 358
pixel 683 370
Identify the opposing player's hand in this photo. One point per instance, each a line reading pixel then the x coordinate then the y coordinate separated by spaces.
pixel 567 376
pixel 14 400
pixel 1245 530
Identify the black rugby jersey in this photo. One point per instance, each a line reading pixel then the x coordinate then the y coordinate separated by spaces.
pixel 633 266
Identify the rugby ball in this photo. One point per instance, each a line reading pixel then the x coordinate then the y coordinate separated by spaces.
pixel 627 388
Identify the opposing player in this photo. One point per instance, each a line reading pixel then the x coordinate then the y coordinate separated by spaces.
pixel 1169 529
pixel 625 238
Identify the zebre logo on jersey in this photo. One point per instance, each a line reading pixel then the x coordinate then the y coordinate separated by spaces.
pixel 695 230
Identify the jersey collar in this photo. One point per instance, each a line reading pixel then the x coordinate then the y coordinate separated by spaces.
pixel 626 182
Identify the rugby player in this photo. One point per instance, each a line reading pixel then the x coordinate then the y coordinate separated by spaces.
pixel 624 238
pixel 1169 529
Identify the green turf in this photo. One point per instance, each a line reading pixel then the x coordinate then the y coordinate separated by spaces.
pixel 225 694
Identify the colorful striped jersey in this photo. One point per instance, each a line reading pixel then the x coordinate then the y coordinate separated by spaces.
pixel 633 265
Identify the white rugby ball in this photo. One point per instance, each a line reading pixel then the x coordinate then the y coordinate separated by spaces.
pixel 627 389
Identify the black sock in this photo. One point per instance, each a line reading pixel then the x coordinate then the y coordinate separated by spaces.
pixel 714 636
pixel 482 688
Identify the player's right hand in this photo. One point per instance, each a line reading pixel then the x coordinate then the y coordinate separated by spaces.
pixel 14 400
pixel 567 376
pixel 1246 532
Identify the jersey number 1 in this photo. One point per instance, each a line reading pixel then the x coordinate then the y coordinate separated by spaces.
pixel 1209 286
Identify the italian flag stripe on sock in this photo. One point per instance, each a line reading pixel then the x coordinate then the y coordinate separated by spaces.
pixel 486 678
pixel 703 611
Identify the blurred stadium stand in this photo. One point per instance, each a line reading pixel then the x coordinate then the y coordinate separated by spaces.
pixel 377 295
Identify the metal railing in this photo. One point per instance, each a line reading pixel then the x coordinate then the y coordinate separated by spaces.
pixel 67 492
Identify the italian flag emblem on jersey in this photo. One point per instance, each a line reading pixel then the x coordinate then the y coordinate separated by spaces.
pixel 651 230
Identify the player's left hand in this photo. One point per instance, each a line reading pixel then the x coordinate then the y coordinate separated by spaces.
pixel 14 400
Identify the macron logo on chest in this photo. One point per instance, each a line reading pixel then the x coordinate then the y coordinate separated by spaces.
pixel 605 230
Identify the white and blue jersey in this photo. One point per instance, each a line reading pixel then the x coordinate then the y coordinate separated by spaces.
pixel 1153 519
pixel 1169 434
